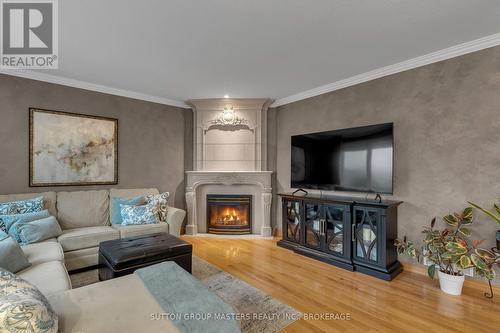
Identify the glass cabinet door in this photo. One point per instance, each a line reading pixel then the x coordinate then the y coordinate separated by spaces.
pixel 334 225
pixel 365 231
pixel 292 211
pixel 313 226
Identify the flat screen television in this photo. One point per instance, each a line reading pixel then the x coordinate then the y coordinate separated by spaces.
pixel 355 159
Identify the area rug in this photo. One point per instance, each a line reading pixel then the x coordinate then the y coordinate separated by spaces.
pixel 260 312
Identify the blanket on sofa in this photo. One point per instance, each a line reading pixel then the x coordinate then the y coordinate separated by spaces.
pixel 186 301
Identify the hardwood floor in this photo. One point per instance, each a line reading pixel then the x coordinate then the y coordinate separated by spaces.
pixel 410 303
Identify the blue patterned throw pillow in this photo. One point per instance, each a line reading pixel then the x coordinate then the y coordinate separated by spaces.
pixel 11 222
pixel 145 214
pixel 23 308
pixel 22 206
pixel 116 214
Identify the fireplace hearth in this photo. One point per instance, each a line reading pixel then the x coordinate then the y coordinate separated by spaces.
pixel 229 214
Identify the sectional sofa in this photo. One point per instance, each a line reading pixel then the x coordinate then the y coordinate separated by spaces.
pixel 124 304
pixel 84 217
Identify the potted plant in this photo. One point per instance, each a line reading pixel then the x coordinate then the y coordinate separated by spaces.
pixel 450 252
pixel 495 215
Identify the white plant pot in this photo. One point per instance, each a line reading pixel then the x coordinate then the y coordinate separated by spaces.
pixel 451 284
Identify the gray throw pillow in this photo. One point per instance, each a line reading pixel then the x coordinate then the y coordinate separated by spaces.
pixel 12 257
pixel 39 230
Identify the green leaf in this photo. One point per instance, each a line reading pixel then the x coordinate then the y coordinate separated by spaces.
pixel 494 216
pixel 465 231
pixel 497 208
pixel 478 262
pixel 466 222
pixel 465 262
pixel 450 220
pixel 456 248
pixel 447 255
pixel 431 271
pixel 455 259
pixel 489 274
pixel 485 254
pixel 467 214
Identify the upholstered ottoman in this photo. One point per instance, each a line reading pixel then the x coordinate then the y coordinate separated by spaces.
pixel 123 256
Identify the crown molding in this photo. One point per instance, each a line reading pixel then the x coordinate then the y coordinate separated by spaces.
pixel 444 54
pixel 38 76
pixel 218 104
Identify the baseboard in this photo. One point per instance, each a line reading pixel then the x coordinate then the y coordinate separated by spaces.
pixel 421 269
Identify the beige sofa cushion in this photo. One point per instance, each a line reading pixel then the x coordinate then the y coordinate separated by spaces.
pixel 129 193
pixel 114 306
pixel 81 258
pixel 49 199
pixel 83 209
pixel 49 277
pixel 140 230
pixel 38 253
pixel 83 238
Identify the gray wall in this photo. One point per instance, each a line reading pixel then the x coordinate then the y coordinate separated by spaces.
pixel 151 136
pixel 447 135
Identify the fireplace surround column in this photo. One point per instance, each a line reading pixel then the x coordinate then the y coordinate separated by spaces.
pixel 266 229
pixel 191 227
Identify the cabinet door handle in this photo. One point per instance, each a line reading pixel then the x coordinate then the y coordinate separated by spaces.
pixel 353 232
pixel 323 221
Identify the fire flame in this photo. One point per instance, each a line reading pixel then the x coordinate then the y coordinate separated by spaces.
pixel 229 215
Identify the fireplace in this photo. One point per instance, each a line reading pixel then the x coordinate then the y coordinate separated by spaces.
pixel 229 214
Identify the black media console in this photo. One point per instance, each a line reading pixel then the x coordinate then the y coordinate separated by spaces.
pixel 351 233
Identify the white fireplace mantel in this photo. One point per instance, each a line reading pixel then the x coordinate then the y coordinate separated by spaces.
pixel 256 182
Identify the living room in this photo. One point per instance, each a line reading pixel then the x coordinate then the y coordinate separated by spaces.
pixel 233 166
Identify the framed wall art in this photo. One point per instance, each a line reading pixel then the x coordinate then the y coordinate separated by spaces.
pixel 72 149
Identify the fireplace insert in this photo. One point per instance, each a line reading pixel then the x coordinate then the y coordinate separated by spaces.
pixel 229 214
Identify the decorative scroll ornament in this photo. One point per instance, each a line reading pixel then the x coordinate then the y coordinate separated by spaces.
pixel 229 118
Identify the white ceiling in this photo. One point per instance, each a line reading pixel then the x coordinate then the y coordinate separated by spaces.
pixel 185 49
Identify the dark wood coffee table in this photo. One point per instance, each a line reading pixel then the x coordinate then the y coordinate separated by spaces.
pixel 123 256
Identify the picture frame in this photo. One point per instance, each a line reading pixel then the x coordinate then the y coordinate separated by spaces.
pixel 72 149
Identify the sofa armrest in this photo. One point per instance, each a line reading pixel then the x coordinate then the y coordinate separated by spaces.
pixel 175 217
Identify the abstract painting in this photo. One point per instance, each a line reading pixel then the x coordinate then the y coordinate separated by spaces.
pixel 72 149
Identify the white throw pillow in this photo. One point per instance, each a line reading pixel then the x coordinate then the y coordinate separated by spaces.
pixel 23 308
pixel 161 200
